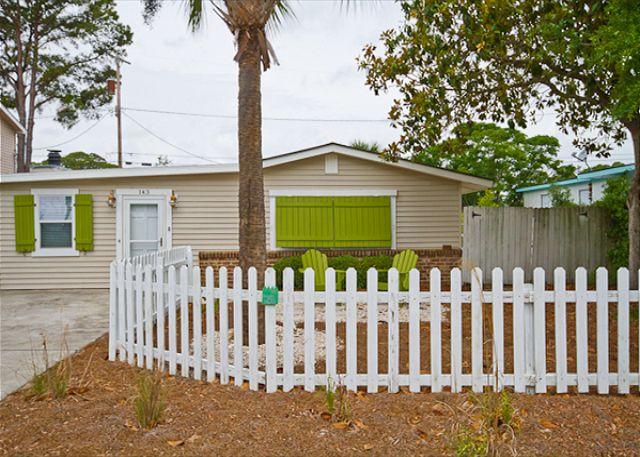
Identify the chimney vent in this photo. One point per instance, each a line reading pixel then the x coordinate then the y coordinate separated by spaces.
pixel 54 159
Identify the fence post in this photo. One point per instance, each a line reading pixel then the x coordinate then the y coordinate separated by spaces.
pixel 529 343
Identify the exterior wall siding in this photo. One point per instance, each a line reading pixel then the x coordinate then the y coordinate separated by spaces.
pixel 7 147
pixel 206 216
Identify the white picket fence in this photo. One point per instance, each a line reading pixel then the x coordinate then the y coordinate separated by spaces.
pixel 177 338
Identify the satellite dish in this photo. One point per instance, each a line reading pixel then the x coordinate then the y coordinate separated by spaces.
pixel 581 156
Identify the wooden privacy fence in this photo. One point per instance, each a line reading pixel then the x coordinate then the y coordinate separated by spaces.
pixel 527 338
pixel 535 237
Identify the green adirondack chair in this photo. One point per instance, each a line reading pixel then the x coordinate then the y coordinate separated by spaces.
pixel 317 261
pixel 404 262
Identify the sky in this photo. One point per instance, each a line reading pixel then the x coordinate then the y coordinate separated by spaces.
pixel 315 96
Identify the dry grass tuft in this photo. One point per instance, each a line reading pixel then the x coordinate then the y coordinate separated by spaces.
pixel 149 403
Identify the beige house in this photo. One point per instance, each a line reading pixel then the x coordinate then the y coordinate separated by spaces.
pixel 9 129
pixel 61 229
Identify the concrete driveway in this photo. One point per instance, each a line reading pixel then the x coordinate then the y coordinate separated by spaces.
pixel 26 317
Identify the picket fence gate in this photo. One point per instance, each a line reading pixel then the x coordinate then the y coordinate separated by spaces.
pixel 156 320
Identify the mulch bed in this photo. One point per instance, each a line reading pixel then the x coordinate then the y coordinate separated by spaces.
pixel 211 419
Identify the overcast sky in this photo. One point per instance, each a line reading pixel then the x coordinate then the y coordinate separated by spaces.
pixel 175 70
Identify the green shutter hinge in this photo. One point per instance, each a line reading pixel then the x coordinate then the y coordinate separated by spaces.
pixel 269 296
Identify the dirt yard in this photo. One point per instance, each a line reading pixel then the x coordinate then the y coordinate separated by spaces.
pixel 211 419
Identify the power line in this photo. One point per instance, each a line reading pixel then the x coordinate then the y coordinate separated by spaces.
pixel 266 118
pixel 167 142
pixel 75 137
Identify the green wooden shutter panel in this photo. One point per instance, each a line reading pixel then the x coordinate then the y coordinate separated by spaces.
pixel 340 222
pixel 24 223
pixel 84 222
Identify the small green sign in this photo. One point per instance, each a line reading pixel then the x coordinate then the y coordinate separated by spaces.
pixel 270 296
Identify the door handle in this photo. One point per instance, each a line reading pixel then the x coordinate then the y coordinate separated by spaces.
pixel 160 241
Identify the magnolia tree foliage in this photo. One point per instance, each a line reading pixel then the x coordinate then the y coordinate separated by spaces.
pixel 505 61
pixel 506 156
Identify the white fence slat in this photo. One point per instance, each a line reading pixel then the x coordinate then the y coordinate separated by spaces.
pixel 211 323
pixel 456 330
pixel 540 334
pixel 223 303
pixel 288 325
pixel 518 330
pixel 560 314
pixel 352 330
pixel 602 314
pixel 270 335
pixel 582 353
pixel 330 327
pixel 173 330
pixel 139 317
pixel 197 324
pixel 129 305
pixel 148 317
pixel 160 313
pixel 309 331
pixel 623 331
pixel 372 330
pixel 184 320
pixel 113 311
pixel 436 331
pixel 253 328
pixel 122 311
pixel 394 333
pixel 497 314
pixel 476 330
pixel 414 330
pixel 238 362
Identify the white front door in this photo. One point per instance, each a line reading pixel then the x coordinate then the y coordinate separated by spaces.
pixel 144 224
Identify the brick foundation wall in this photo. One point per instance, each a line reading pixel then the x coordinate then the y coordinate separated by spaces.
pixel 444 258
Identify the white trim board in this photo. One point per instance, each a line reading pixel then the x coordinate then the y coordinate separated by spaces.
pixel 469 183
pixel 332 193
pixel 392 193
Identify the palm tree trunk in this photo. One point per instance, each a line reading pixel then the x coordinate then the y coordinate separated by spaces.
pixel 633 203
pixel 251 193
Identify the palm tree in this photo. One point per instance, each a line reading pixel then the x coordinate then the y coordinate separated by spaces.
pixel 248 22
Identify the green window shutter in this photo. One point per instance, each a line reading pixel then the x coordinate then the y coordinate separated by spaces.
pixel 362 222
pixel 341 222
pixel 84 222
pixel 24 222
pixel 304 222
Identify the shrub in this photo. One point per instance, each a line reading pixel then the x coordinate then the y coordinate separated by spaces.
pixel 149 404
pixel 344 262
pixel 293 262
pixel 614 199
pixel 382 263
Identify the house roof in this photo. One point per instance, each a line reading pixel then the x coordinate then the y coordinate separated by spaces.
pixel 582 178
pixel 5 114
pixel 470 183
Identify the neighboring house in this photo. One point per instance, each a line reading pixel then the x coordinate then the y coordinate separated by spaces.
pixel 61 229
pixel 9 129
pixel 586 188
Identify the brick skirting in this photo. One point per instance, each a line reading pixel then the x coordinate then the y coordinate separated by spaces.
pixel 444 258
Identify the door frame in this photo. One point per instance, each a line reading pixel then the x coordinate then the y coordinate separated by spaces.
pixel 124 196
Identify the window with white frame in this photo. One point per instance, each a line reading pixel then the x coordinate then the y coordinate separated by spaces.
pixel 54 222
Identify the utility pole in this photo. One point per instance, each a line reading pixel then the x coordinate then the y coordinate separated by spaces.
pixel 118 89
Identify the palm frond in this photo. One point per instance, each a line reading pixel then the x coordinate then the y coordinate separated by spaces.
pixel 282 11
pixel 195 13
